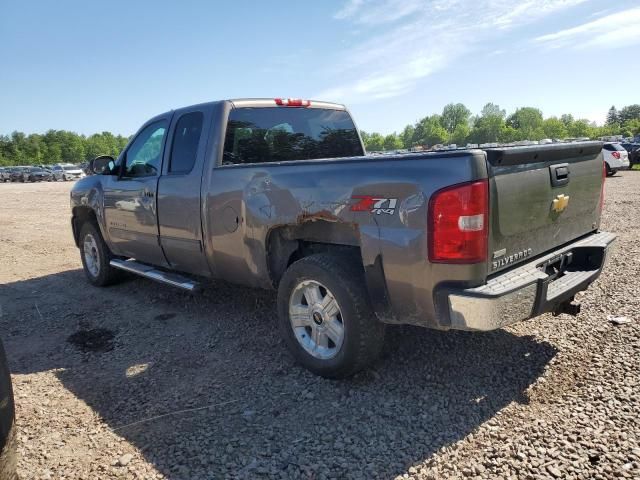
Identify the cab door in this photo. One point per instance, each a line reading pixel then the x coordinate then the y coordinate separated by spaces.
pixel 179 197
pixel 130 207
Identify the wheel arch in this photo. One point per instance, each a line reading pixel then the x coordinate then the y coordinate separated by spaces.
pixel 81 215
pixel 287 244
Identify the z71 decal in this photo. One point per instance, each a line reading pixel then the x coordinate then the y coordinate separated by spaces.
pixel 377 205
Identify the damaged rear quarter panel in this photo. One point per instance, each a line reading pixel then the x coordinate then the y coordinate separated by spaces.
pixel 246 202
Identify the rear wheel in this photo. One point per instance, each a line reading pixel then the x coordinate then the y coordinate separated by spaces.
pixel 610 172
pixel 96 256
pixel 325 316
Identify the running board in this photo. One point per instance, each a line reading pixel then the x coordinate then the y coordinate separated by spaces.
pixel 147 271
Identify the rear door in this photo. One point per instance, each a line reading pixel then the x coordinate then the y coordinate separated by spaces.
pixel 541 197
pixel 179 190
pixel 130 199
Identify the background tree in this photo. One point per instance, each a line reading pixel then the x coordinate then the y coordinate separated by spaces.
pixel 454 115
pixel 630 112
pixel 612 116
pixel 580 128
pixel 407 136
pixel 392 142
pixel 429 131
pixel 567 119
pixel 488 126
pixel 528 121
pixel 374 143
pixel 553 127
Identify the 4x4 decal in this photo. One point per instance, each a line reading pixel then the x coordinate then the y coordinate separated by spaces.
pixel 373 204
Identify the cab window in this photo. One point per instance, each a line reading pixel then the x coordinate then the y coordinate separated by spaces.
pixel 144 155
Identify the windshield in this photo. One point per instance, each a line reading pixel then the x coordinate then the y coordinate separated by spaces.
pixel 275 134
pixel 69 167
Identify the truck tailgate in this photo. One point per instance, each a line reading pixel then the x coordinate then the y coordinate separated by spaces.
pixel 541 197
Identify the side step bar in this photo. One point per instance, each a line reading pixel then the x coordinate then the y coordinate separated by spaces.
pixel 147 271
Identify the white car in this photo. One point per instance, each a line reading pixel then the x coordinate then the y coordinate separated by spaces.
pixel 66 172
pixel 615 157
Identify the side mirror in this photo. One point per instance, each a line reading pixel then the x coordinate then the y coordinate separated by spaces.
pixel 103 164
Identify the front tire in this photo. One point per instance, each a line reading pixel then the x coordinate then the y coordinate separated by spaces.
pixel 95 255
pixel 325 316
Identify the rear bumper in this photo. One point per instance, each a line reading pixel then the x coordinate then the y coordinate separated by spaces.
pixel 527 291
pixel 618 163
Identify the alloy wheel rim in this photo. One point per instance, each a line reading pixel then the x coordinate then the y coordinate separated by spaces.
pixel 91 255
pixel 316 319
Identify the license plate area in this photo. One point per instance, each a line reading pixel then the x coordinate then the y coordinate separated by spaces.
pixel 578 259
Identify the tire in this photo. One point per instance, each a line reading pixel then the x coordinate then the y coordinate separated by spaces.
pixel 362 335
pixel 610 172
pixel 95 260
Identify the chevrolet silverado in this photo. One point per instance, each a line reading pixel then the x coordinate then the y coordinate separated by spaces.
pixel 280 194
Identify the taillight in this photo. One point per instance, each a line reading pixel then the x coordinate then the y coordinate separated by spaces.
pixel 616 155
pixel 604 176
pixel 292 102
pixel 458 223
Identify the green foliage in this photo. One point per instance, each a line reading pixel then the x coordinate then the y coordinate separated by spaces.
pixel 581 128
pixel 528 121
pixel 553 127
pixel 489 125
pixel 453 116
pixel 392 142
pixel 374 142
pixel 407 136
pixel 629 113
pixel 429 131
pixel 456 125
pixel 57 146
pixel 612 116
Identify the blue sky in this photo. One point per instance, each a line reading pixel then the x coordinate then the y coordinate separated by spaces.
pixel 95 66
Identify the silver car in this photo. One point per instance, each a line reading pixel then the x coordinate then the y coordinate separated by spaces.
pixel 66 172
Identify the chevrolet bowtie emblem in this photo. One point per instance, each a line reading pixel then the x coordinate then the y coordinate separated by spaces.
pixel 560 203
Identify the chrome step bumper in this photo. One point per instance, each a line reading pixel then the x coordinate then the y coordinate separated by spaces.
pixel 526 291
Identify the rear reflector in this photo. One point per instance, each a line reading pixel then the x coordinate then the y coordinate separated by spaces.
pixel 458 223
pixel 292 102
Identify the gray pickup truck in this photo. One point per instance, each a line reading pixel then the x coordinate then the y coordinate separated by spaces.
pixel 280 194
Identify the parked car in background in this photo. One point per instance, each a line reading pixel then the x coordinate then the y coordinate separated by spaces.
pixel 7 422
pixel 67 172
pixel 16 174
pixel 5 174
pixel 615 157
pixel 36 174
pixel 633 149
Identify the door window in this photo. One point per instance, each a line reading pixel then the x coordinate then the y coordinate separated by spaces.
pixel 185 142
pixel 145 153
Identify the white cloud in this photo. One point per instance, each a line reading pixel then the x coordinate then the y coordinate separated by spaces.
pixel 605 32
pixel 349 9
pixel 409 40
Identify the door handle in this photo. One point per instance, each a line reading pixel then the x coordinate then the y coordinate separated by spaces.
pixel 559 174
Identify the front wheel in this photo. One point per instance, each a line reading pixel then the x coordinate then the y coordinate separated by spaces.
pixel 325 316
pixel 96 256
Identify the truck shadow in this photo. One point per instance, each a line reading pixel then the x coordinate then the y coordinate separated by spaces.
pixel 203 386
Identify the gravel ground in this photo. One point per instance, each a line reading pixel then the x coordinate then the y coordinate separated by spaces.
pixel 142 381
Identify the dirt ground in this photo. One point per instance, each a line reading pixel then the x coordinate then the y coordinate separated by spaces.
pixel 142 381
